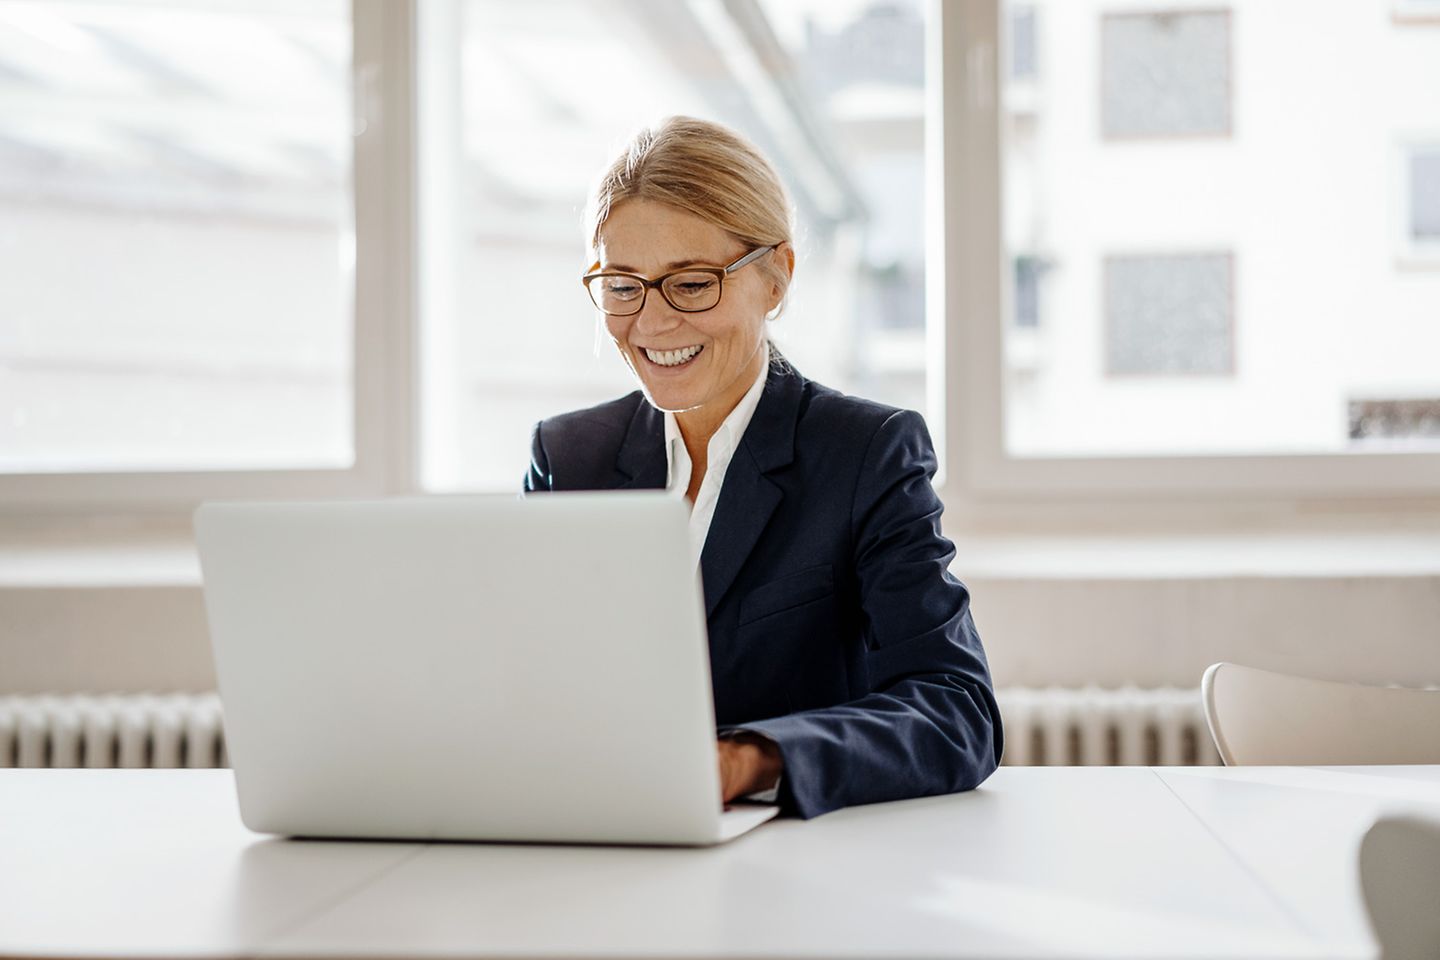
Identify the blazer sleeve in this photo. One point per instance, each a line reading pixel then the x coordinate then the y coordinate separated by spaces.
pixel 929 724
pixel 538 478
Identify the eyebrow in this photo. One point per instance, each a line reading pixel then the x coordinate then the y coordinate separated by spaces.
pixel 672 265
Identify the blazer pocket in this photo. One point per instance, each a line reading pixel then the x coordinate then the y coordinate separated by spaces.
pixel 812 583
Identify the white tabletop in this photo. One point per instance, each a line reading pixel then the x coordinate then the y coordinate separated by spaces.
pixel 1298 829
pixel 1039 862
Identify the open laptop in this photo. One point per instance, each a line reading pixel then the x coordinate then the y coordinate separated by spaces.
pixel 467 668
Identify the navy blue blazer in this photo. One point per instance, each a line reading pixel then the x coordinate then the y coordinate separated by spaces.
pixel 836 628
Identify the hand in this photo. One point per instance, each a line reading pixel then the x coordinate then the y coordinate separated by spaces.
pixel 748 764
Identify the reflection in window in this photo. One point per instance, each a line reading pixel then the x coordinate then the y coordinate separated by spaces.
pixel 1169 314
pixel 1166 74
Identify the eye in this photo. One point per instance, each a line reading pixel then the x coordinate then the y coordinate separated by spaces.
pixel 694 287
pixel 621 287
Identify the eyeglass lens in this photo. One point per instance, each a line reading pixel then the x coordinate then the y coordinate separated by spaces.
pixel 685 291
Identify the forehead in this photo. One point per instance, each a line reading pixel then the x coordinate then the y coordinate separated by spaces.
pixel 652 237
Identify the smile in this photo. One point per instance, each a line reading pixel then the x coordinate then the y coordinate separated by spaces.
pixel 673 358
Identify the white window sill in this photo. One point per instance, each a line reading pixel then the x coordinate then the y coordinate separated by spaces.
pixel 1201 556
pixel 167 558
pixel 140 553
pixel 121 609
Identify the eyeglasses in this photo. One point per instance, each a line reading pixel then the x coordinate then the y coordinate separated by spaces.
pixel 692 290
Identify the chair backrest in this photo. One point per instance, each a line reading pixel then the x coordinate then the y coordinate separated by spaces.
pixel 1400 877
pixel 1260 717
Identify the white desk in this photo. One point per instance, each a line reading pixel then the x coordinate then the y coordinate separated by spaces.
pixel 1298 829
pixel 1039 862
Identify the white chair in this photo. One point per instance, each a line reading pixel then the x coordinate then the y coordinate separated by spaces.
pixel 1400 877
pixel 1260 717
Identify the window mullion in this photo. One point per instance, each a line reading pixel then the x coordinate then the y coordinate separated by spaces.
pixel 386 317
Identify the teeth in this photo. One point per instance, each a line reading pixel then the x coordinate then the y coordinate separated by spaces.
pixel 670 358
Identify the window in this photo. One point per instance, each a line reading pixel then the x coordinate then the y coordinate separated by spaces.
pixel 1423 226
pixel 1023 64
pixel 1012 270
pixel 1377 420
pixel 834 96
pixel 1208 299
pixel 1166 74
pixel 175 237
pixel 1027 292
pixel 1169 315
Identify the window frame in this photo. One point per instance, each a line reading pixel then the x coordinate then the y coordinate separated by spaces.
pixel 383 318
pixel 968 272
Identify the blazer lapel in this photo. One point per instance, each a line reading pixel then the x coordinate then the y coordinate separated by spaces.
pixel 641 460
pixel 748 496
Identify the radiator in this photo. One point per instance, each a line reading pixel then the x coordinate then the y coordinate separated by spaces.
pixel 112 730
pixel 1091 726
pixel 1054 726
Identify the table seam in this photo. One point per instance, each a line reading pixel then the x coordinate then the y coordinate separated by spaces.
pixel 266 945
pixel 1285 908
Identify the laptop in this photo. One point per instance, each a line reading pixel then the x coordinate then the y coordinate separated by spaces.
pixel 467 668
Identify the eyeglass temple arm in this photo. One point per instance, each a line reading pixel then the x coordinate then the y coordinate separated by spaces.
pixel 751 256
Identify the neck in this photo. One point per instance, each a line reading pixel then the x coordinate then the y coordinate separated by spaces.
pixel 697 426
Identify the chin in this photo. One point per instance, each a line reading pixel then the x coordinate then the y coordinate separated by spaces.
pixel 668 399
pixel 675 394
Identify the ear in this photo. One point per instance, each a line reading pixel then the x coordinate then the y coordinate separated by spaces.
pixel 786 253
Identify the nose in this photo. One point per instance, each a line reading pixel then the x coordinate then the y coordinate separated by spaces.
pixel 657 316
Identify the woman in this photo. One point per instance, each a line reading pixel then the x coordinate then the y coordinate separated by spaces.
pixel 845 663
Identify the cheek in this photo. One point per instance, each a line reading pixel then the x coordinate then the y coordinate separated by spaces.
pixel 734 329
pixel 617 327
pixel 749 309
pixel 743 332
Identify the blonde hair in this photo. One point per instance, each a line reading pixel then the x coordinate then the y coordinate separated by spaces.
pixel 708 171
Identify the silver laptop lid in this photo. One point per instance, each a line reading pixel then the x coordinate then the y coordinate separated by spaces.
pixel 464 667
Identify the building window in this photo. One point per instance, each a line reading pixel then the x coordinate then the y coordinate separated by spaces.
pixel 1169 315
pixel 1372 420
pixel 1023 64
pixel 1027 292
pixel 1424 195
pixel 1165 74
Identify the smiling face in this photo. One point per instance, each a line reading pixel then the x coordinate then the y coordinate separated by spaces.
pixel 687 361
